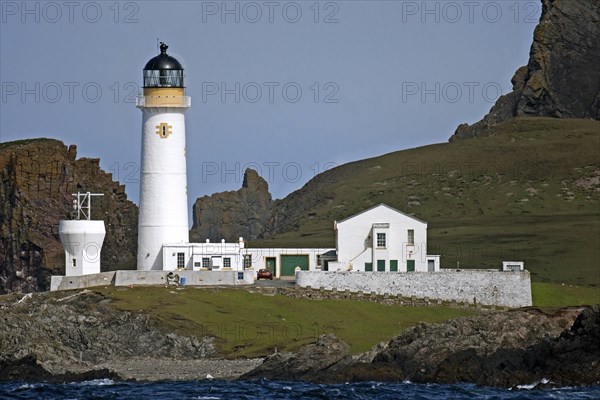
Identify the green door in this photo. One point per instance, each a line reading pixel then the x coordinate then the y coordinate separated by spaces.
pixel 410 265
pixel 381 265
pixel 369 267
pixel 271 263
pixel 289 264
pixel 394 265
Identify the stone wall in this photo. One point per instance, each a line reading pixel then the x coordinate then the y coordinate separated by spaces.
pixel 487 287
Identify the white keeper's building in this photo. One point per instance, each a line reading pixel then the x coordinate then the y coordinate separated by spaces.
pixel 382 238
pixel 378 239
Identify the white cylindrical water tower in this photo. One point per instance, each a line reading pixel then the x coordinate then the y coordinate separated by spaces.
pixel 82 241
pixel 163 215
pixel 82 238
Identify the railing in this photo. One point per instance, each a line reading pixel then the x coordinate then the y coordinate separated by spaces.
pixel 163 101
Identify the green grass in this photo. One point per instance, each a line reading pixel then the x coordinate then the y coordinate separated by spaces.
pixel 554 295
pixel 529 192
pixel 249 324
pixel 24 142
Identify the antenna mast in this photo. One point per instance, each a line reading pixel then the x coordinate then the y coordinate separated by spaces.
pixel 82 204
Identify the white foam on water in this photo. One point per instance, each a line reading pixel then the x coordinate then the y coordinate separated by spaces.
pixel 27 386
pixel 533 385
pixel 97 382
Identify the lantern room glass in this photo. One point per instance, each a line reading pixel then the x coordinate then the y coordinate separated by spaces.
pixel 163 78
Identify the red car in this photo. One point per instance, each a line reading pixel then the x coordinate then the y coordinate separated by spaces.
pixel 264 274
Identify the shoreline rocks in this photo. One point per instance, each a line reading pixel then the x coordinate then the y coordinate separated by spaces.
pixel 78 335
pixel 503 349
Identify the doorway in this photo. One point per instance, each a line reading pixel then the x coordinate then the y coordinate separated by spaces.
pixel 430 265
pixel 271 264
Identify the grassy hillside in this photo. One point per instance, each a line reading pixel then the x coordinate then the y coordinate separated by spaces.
pixel 530 191
pixel 555 295
pixel 252 324
pixel 248 324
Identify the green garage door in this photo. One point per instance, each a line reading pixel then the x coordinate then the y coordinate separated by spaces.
pixel 289 264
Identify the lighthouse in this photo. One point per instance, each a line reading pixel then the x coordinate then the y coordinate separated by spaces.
pixel 163 215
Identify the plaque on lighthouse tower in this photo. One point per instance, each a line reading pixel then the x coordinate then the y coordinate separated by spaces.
pixel 163 130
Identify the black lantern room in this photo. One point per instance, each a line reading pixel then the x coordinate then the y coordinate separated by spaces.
pixel 163 71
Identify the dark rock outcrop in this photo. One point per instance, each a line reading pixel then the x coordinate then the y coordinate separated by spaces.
pixel 62 332
pixel 229 215
pixel 311 363
pixel 503 349
pixel 37 178
pixel 28 369
pixel 562 77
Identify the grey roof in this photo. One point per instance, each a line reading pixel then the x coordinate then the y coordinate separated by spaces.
pixel 385 205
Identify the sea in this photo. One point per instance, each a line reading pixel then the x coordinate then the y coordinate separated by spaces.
pixel 265 389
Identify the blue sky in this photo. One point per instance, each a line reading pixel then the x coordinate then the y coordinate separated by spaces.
pixel 290 88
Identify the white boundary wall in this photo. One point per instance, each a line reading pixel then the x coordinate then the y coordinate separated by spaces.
pixel 488 287
pixel 152 278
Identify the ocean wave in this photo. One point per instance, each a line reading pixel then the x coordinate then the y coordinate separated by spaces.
pixel 96 382
pixel 533 385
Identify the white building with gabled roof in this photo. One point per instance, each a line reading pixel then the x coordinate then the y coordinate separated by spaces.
pixel 382 238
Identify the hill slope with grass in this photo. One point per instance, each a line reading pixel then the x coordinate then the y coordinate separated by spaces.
pixel 530 191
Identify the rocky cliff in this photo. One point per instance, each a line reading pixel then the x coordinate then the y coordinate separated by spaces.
pixel 229 215
pixel 503 349
pixel 59 332
pixel 37 178
pixel 562 77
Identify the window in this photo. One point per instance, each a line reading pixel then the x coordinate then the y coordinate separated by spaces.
pixel 74 262
pixel 381 240
pixel 180 260
pixel 226 262
pixel 411 236
pixel 247 261
pixel 205 262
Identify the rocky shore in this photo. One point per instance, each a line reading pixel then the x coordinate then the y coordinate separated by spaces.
pixel 502 349
pixel 73 336
pixel 78 335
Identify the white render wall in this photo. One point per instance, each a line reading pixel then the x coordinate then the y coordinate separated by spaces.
pixel 82 241
pixel 356 240
pixel 489 287
pixel 194 252
pixel 192 278
pixel 259 257
pixel 152 278
pixel 163 213
pixel 82 282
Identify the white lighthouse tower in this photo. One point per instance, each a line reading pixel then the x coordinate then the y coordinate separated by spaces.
pixel 163 215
